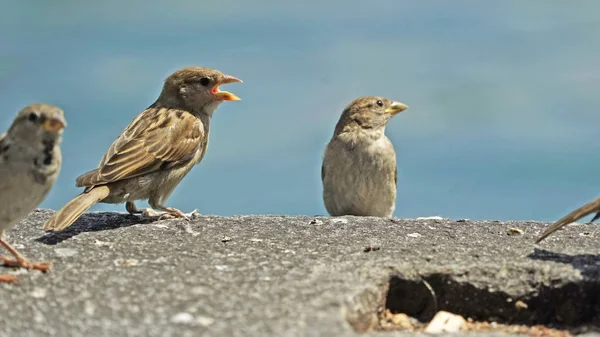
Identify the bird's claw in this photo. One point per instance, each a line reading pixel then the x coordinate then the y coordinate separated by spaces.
pixel 8 279
pixel 173 214
pixel 41 266
pixel 179 215
pixel 165 216
pixel 191 215
pixel 151 213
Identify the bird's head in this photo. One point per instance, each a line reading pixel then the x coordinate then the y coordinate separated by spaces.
pixel 370 112
pixel 39 122
pixel 197 89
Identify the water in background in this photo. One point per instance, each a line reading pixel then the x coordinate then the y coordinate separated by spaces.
pixel 504 95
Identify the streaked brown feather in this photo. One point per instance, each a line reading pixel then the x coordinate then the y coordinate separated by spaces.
pixel 157 138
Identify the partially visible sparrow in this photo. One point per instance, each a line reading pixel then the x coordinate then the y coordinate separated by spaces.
pixel 156 150
pixel 589 208
pixel 30 160
pixel 359 166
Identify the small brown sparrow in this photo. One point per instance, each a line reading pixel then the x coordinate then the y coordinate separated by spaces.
pixel 359 167
pixel 30 160
pixel 589 208
pixel 156 150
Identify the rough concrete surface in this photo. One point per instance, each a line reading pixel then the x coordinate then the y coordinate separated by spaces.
pixel 118 275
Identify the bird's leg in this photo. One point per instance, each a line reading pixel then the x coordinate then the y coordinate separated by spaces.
pixel 596 217
pixel 20 260
pixel 170 212
pixel 131 209
pixel 8 279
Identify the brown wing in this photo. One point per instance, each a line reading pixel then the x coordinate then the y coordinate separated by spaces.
pixel 158 138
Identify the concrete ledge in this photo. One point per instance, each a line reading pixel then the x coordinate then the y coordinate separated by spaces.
pixel 118 275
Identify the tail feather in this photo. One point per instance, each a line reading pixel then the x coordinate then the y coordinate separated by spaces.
pixel 87 179
pixel 67 215
pixel 589 208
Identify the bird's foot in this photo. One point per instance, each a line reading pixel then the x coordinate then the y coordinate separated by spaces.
pixel 172 213
pixel 149 212
pixel 8 278
pixel 44 267
pixel 177 214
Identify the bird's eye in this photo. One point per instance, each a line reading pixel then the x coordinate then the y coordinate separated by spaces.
pixel 204 81
pixel 32 117
pixel 380 103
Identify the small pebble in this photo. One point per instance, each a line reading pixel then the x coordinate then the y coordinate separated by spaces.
pixel 187 318
pixel 515 231
pixel 521 305
pixel 316 222
pixel 414 235
pixel 226 239
pixel 445 321
pixel 182 318
pixel 126 262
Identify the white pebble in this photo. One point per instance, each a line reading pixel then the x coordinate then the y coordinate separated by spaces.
pixel 182 318
pixel 125 262
pixel 444 321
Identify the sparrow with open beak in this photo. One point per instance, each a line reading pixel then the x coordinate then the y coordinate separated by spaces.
pixel 156 150
pixel 585 210
pixel 30 161
pixel 359 166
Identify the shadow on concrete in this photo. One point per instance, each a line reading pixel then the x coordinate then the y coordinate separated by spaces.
pixel 587 264
pixel 95 222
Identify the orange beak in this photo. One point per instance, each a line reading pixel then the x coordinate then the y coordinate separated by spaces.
pixel 226 95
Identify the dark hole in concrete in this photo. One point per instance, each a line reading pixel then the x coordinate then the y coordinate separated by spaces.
pixel 568 306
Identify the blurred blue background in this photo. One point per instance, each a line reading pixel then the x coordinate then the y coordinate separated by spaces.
pixel 504 95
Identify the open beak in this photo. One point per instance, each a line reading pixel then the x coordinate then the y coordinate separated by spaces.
pixel 226 95
pixel 396 108
pixel 54 124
